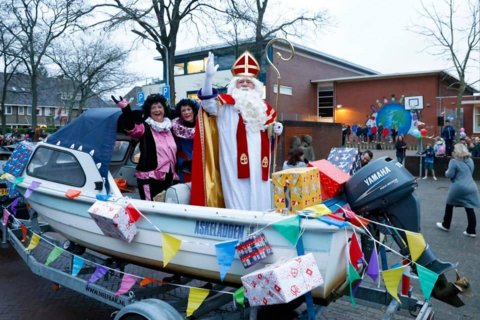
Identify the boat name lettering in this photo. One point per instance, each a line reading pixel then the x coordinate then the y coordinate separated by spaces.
pixel 105 295
pixel 215 229
pixel 377 175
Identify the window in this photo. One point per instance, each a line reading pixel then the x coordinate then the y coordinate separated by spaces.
pixel 325 103
pixel 56 166
pixel 8 109
pixel 39 111
pixel 179 69
pixel 21 111
pixel 120 150
pixel 476 119
pixel 196 66
pixel 29 111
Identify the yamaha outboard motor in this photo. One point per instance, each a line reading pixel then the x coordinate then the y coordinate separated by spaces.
pixel 383 191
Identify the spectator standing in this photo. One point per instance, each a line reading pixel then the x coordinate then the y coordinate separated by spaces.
pixel 354 133
pixel 400 147
pixel 463 191
pixel 429 161
pixel 394 134
pixel 439 147
pixel 448 134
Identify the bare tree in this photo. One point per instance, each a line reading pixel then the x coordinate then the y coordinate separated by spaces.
pixel 92 66
pixel 252 19
pixel 160 20
pixel 35 25
pixel 454 37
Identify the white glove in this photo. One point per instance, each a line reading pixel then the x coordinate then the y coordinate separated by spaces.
pixel 277 128
pixel 210 71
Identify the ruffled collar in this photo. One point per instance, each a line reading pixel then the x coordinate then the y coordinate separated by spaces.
pixel 165 125
pixel 180 130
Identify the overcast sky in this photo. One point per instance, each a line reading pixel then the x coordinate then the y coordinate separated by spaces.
pixel 374 33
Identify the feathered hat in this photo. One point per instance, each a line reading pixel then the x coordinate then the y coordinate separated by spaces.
pixel 246 65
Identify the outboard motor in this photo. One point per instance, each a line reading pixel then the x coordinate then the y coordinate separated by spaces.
pixel 383 191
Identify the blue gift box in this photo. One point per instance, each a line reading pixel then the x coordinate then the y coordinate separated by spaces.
pixel 19 159
pixel 347 159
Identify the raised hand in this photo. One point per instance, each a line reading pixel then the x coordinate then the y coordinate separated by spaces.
pixel 211 68
pixel 121 103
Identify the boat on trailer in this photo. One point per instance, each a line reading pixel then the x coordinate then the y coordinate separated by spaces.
pixel 88 154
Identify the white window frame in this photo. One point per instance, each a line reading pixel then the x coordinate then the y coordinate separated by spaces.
pixel 29 110
pixel 476 123
pixel 21 110
pixel 8 110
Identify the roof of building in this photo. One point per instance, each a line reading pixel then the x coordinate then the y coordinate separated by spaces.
pixel 51 92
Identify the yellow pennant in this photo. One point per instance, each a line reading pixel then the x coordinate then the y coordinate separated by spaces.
pixel 33 242
pixel 319 209
pixel 195 299
pixel 170 246
pixel 416 244
pixel 392 278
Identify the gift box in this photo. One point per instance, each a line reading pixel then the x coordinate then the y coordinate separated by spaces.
pixel 113 220
pixel 282 282
pixel 296 188
pixel 253 249
pixel 347 159
pixel 18 159
pixel 332 178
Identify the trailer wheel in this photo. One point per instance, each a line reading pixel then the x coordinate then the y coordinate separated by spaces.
pixel 73 247
pixel 147 309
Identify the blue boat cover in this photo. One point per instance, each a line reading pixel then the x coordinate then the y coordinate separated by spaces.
pixel 95 129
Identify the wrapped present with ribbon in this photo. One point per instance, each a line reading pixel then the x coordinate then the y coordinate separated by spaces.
pixel 282 282
pixel 18 159
pixel 347 159
pixel 297 188
pixel 253 249
pixel 113 220
pixel 332 178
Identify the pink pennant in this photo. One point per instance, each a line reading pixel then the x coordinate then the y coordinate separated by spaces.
pixel 128 281
pixel 6 214
pixel 355 251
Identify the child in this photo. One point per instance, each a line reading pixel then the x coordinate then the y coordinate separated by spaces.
pixel 429 159
pixel 440 147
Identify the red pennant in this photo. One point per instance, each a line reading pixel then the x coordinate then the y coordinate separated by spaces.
pixel 148 280
pixel 132 212
pixel 24 232
pixel 355 251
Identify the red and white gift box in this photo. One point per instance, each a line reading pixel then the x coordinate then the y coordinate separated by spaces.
pixel 113 220
pixel 282 282
pixel 332 179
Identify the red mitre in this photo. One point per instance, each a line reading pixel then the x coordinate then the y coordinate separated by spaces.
pixel 246 65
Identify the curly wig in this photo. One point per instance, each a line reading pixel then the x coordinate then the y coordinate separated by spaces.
pixel 155 98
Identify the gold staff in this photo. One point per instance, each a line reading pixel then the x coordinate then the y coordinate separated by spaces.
pixel 279 54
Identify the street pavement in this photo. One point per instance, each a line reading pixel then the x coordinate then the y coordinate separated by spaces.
pixel 26 296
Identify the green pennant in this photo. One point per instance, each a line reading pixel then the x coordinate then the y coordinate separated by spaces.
pixel 54 254
pixel 239 296
pixel 352 277
pixel 427 279
pixel 289 228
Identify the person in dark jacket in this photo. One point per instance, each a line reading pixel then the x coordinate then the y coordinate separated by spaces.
pixel 156 166
pixel 400 147
pixel 448 134
pixel 463 191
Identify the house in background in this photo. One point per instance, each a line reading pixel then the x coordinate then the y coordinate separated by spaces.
pixel 54 101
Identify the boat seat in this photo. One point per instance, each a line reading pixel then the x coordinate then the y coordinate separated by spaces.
pixel 179 193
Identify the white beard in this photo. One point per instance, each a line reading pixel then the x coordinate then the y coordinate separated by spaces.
pixel 252 108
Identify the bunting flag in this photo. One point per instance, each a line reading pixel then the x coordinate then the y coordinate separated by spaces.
pixel 7 176
pixel 133 213
pixel 239 296
pixel 24 232
pixel 148 280
pixel 195 299
pixel 392 278
pixel 355 251
pixel 416 244
pixel 225 254
pixel 170 246
pixel 128 281
pixel 352 277
pixel 100 271
pixel 427 279
pixel 18 180
pixel 6 214
pixel 13 205
pixel 34 185
pixel 334 222
pixel 34 241
pixel 77 265
pixel 373 269
pixel 54 254
pixel 72 193
pixel 289 228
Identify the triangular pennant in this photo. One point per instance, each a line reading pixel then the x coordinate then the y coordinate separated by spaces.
pixel 392 278
pixel 18 180
pixel 128 281
pixel 170 246
pixel 34 185
pixel 239 296
pixel 355 251
pixel 427 279
pixel 416 244
pixel 100 271
pixel 24 232
pixel 34 241
pixel 225 254
pixel 373 269
pixel 133 213
pixel 72 193
pixel 13 206
pixel 289 228
pixel 6 214
pixel 54 254
pixel 195 299
pixel 77 265
pixel 352 277
pixel 148 280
